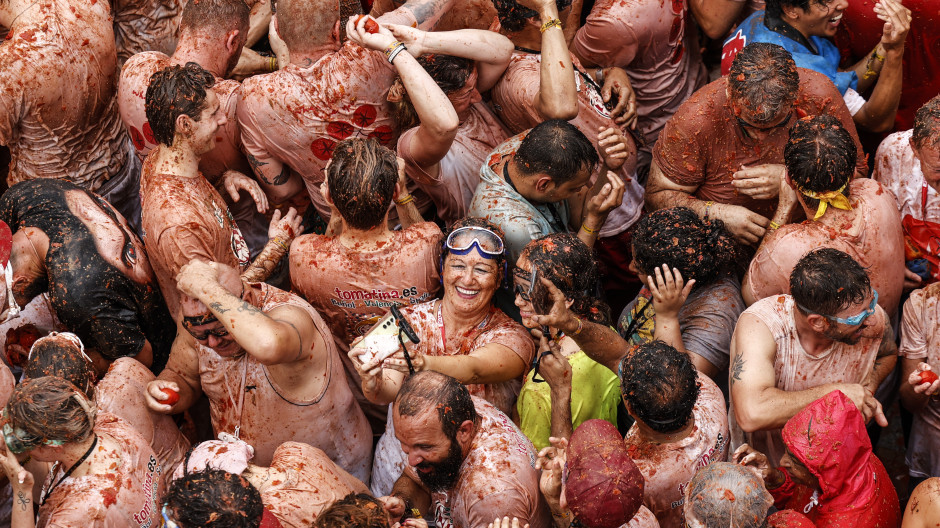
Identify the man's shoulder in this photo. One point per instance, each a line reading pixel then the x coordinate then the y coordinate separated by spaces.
pixel 816 87
pixel 144 64
pixel 708 101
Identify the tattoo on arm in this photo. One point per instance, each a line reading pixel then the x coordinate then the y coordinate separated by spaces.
pixel 281 178
pixel 737 368
pixel 425 10
pixel 217 307
pixel 22 500
pixel 256 164
pixel 245 307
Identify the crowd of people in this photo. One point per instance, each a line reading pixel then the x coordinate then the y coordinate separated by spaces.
pixel 469 263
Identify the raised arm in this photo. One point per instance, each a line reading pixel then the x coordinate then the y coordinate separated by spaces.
pixel 180 375
pixel 558 96
pixel 878 113
pixel 281 233
pixel 716 17
pixel 283 335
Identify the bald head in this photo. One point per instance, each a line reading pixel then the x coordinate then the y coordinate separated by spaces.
pixel 433 390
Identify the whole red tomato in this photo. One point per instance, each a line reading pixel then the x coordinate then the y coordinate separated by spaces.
pixel 371 25
pixel 928 376
pixel 171 396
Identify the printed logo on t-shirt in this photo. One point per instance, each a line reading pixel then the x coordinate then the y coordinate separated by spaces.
pixel 376 298
pixel 143 517
pixel 730 49
pixel 704 460
pixel 594 96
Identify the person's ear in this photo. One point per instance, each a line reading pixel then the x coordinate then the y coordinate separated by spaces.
pixel 335 33
pixel 817 322
pixel 184 125
pixel 231 41
pixel 325 192
pixel 465 433
pixel 397 192
pixel 544 184
pixel 791 12
pixel 568 303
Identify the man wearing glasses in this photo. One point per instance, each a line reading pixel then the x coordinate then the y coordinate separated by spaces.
pixel 854 216
pixel 790 350
pixel 721 154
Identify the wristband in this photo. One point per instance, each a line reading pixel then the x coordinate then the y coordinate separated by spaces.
pixel 391 47
pixel 580 326
pixel 588 230
pixel 273 63
pixel 708 206
pixel 406 200
pixel 280 243
pixel 550 24
pixel 774 225
pixel 394 53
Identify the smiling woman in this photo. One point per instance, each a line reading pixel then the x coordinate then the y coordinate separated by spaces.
pixel 462 335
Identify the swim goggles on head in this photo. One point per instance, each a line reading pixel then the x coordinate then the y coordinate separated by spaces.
pixel 19 441
pixel 462 240
pixel 855 320
pixel 167 523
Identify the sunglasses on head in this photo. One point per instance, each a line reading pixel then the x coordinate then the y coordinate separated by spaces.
pixel 487 243
pixel 19 441
pixel 855 320
pixel 202 336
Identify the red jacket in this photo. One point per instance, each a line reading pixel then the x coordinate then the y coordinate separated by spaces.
pixel 829 438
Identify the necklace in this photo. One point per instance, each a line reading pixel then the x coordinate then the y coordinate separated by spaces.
pixel 45 495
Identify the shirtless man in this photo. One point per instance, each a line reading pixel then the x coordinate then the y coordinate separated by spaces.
pixel 72 244
pixel 351 278
pixel 544 81
pixel 790 350
pixel 267 363
pixel 853 216
pixel 292 119
pixel 468 463
pixel 58 114
pixel 721 154
pixel 183 216
pixel 212 33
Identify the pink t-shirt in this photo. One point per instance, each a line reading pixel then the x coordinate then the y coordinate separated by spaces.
pixel 656 46
pixel 668 468
pixel 513 98
pixel 921 341
pixel 496 328
pixel 243 394
pixel 313 483
pixel 644 518
pixel 353 289
pixel 297 115
pixel 183 219
pixel 876 243
pixel 123 497
pixel 479 134
pixel 132 94
pixel 796 370
pixel 121 393
pixel 58 114
pixel 898 171
pixel 497 478
pixel 703 145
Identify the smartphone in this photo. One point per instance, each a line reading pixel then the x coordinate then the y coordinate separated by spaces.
pixel 381 341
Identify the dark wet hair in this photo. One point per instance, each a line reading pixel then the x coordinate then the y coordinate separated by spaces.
pixel 175 91
pixel 214 498
pixel 728 495
pixel 566 261
pixel 820 156
pixel 775 7
pixel 356 510
pixel 51 408
pixel 219 15
pixel 61 358
pixel 827 280
pixel 362 177
pixel 512 15
pixel 660 385
pixel 927 124
pixel 763 78
pixel 449 72
pixel 678 238
pixel 556 148
pixel 429 389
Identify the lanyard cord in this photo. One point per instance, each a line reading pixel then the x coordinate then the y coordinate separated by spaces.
pixel 45 495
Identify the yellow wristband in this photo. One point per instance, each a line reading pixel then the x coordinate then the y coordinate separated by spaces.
pixel 774 225
pixel 580 326
pixel 280 243
pixel 708 205
pixel 406 200
pixel 588 230
pixel 273 64
pixel 550 24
